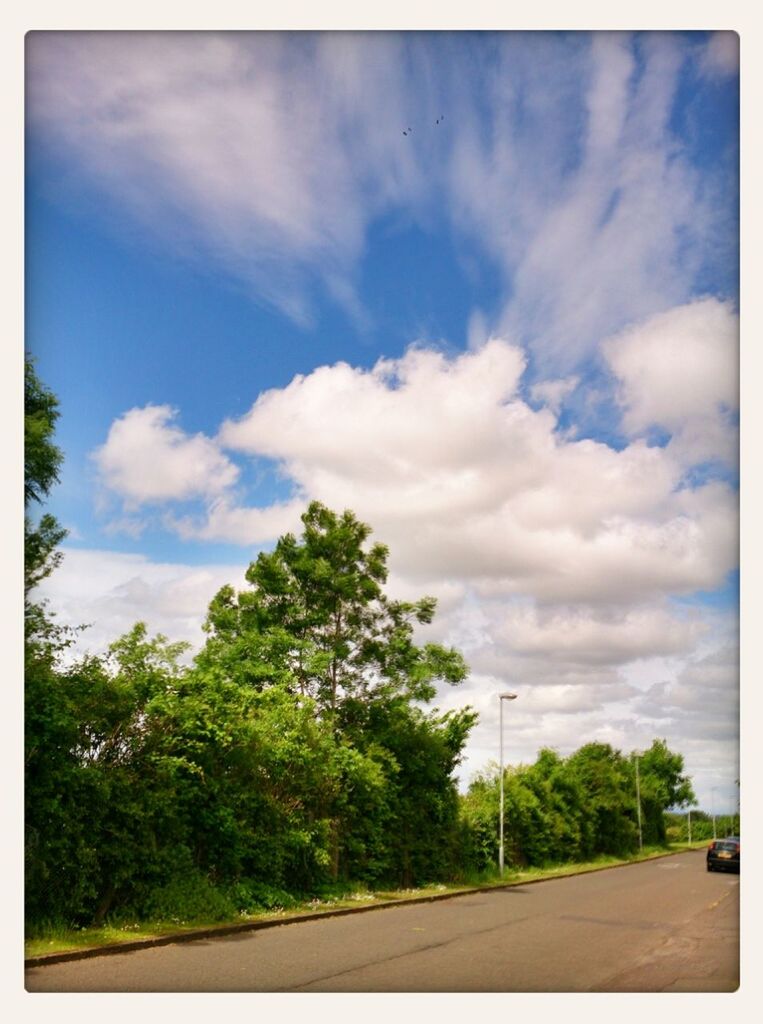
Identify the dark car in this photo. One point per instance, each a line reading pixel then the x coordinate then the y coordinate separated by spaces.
pixel 723 854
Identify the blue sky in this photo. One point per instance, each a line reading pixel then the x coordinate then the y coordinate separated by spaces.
pixel 479 287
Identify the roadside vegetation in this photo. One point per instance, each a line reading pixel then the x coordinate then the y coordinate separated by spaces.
pixel 50 938
pixel 295 763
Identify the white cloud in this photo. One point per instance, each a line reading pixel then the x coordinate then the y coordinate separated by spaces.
pixel 227 522
pixel 110 592
pixel 582 639
pixel 720 56
pixel 271 155
pixel 466 481
pixel 147 459
pixel 680 370
pixel 552 393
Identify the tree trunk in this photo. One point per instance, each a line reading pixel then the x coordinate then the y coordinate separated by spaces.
pixel 103 907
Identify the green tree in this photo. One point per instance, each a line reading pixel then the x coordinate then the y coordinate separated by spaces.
pixel 93 798
pixel 606 778
pixel 662 785
pixel 50 729
pixel 42 463
pixel 317 621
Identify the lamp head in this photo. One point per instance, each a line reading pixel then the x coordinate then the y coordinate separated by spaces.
pixel 507 696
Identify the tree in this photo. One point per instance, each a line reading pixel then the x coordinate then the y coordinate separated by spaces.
pixel 42 458
pixel 606 778
pixel 317 623
pixel 662 785
pixel 42 462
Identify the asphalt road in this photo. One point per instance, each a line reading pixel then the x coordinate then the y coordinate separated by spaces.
pixel 666 925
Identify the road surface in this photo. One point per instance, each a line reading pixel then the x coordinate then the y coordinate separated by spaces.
pixel 665 925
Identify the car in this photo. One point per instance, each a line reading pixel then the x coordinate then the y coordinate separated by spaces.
pixel 723 854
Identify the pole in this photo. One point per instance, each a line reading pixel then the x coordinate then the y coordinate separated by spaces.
pixel 638 808
pixel 690 826
pixel 501 698
pixel 500 819
pixel 712 808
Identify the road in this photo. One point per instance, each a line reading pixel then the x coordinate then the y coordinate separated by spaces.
pixel 666 925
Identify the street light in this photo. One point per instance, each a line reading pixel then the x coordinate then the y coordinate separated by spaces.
pixel 712 808
pixel 501 698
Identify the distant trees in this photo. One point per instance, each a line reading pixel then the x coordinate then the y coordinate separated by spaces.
pixel 574 808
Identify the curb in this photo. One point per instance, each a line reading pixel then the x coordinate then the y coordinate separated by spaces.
pixel 252 926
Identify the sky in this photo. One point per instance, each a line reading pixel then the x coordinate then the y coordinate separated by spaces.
pixel 480 288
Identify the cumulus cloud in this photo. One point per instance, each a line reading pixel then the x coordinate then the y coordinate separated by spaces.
pixel 226 521
pixel 465 481
pixel 110 591
pixel 680 370
pixel 270 156
pixel 555 560
pixel 148 459
pixel 581 639
pixel 705 688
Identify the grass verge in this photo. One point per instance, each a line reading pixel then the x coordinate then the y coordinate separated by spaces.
pixel 58 939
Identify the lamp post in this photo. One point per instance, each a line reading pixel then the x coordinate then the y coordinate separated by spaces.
pixel 501 698
pixel 712 808
pixel 690 826
pixel 638 805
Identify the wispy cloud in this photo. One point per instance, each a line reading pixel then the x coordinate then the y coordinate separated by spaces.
pixel 273 154
pixel 719 58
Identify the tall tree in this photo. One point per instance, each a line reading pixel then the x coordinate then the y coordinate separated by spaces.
pixel 317 621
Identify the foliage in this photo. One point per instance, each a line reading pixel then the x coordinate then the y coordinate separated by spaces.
pixel 317 621
pixel 294 751
pixel 42 458
pixel 317 624
pixel 42 462
pixel 574 808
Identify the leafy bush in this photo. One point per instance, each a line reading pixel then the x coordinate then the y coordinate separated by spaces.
pixel 185 899
pixel 251 896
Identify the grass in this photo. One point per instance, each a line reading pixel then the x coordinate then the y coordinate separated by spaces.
pixel 57 939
